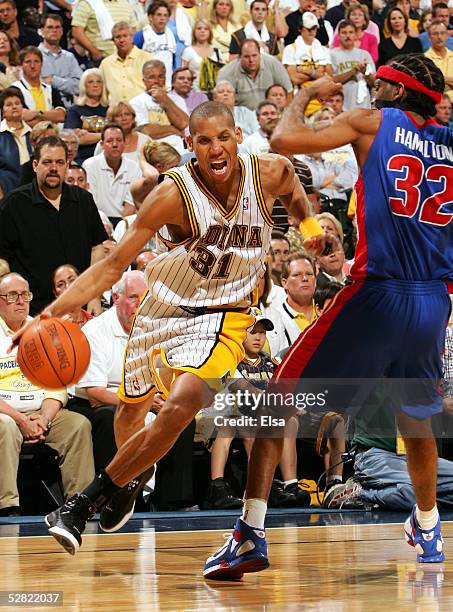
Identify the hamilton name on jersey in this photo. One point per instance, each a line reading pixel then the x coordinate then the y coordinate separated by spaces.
pixel 427 148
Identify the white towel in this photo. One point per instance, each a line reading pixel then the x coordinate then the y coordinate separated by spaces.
pixel 104 19
pixel 251 33
pixel 183 26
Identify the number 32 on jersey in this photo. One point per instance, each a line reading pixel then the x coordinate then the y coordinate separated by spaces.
pixel 432 209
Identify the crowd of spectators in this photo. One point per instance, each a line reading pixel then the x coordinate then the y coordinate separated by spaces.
pixel 95 99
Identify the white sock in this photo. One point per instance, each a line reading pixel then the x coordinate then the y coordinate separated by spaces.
pixel 288 482
pixel 254 512
pixel 427 520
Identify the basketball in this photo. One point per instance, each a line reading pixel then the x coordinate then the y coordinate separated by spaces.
pixel 53 353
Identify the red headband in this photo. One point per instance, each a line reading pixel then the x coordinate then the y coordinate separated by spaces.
pixel 396 76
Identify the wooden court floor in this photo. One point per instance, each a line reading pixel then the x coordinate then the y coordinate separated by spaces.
pixel 363 568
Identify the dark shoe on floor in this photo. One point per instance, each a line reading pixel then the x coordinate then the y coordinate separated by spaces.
pixel 303 497
pixel 280 497
pixel 10 511
pixel 67 523
pixel 220 496
pixel 120 507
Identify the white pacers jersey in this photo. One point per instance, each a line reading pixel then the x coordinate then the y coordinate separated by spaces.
pixel 221 263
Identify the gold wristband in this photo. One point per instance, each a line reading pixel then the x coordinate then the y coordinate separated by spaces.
pixel 310 227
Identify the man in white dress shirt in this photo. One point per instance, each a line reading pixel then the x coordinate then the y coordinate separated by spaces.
pixel 110 175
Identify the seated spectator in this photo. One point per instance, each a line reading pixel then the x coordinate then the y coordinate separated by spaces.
pixel 9 23
pixel 294 18
pixel 29 414
pixel 255 29
pixel 331 266
pixel 352 67
pixel 366 39
pixel 181 26
pixel 413 17
pixel 62 278
pixel 336 102
pixel 15 146
pixel 306 59
pixel 76 175
pixel 443 111
pixel 47 223
pixel 71 140
pixel 298 310
pixel 251 374
pixel 440 12
pixel 399 42
pixel 380 476
pixel 330 225
pixel 243 116
pixel 88 116
pixel 9 60
pixel 269 294
pixel 80 53
pixel 95 393
pixel 122 71
pixel 280 252
pixel 60 68
pixel 440 54
pixel 181 81
pixel 223 25
pixel 278 95
pixel 252 73
pixel 325 29
pixel 94 31
pixel 43 101
pixel 123 114
pixel 200 49
pixel 39 131
pixel 159 115
pixel 158 158
pixel 268 115
pixel 143 259
pixel 109 175
pixel 157 38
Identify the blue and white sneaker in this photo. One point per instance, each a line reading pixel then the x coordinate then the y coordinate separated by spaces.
pixel 428 544
pixel 245 551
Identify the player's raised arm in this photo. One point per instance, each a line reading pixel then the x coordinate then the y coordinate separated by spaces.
pixel 162 206
pixel 292 135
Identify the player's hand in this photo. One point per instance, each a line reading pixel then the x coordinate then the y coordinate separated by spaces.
pixel 15 339
pixel 322 88
pixel 323 244
pixel 158 403
pixel 30 431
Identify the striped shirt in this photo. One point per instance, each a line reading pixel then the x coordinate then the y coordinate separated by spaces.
pixel 85 18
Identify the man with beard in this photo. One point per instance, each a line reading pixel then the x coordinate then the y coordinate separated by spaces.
pixel 268 115
pixel 47 223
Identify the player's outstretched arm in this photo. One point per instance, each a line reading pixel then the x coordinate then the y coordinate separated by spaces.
pixel 163 206
pixel 293 136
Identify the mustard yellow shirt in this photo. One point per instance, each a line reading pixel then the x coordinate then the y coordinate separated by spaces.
pixel 39 98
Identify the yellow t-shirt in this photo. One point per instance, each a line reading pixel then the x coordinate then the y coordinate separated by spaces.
pixel 39 98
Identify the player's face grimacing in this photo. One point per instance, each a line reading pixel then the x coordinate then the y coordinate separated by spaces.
pixel 215 143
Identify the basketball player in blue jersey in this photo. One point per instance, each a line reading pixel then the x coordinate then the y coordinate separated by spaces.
pixel 392 317
pixel 214 215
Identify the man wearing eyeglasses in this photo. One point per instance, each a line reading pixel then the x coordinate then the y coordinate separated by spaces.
pixel 32 415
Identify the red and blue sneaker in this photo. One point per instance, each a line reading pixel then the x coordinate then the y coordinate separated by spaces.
pixel 245 551
pixel 427 543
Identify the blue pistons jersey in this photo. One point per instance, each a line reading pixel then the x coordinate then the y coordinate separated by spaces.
pixel 405 203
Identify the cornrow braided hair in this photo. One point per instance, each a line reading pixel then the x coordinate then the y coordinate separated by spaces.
pixel 428 74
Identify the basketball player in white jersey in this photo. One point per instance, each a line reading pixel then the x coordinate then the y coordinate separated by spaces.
pixel 189 329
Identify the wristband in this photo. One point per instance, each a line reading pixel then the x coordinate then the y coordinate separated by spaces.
pixel 310 227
